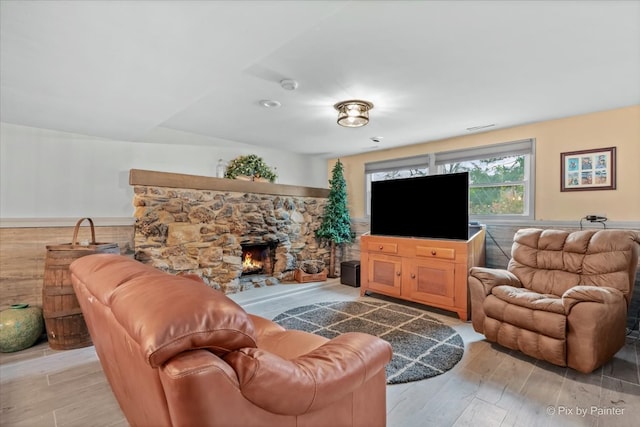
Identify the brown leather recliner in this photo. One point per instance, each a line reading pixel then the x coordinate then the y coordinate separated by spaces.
pixel 179 353
pixel 563 297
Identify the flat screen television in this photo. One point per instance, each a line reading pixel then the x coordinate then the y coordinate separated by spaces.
pixel 432 206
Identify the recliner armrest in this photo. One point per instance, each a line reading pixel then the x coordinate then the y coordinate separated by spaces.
pixel 597 294
pixel 491 277
pixel 311 381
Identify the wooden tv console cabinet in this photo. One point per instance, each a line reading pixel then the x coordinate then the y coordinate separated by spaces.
pixel 427 271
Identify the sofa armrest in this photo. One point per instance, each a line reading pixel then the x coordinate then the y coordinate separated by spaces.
pixel 596 325
pixel 597 294
pixel 491 277
pixel 264 327
pixel 481 280
pixel 313 380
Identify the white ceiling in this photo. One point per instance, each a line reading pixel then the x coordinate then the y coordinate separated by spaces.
pixel 122 69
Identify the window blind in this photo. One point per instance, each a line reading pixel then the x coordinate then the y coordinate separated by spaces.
pixel 413 162
pixel 515 148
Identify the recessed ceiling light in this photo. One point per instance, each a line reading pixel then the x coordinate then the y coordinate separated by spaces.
pixel 269 103
pixel 289 84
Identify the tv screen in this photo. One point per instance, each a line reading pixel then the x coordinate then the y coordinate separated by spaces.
pixel 435 206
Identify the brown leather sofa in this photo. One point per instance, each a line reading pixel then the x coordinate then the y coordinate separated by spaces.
pixel 563 297
pixel 179 353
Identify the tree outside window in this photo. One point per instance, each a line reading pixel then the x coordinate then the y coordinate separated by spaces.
pixel 496 185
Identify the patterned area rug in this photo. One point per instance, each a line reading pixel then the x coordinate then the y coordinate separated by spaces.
pixel 423 347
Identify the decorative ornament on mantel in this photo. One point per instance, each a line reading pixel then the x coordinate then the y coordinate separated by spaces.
pixel 250 168
pixel 221 169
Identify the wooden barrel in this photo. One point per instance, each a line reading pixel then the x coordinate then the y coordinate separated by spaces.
pixel 64 322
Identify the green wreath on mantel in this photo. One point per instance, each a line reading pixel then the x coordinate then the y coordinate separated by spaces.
pixel 250 166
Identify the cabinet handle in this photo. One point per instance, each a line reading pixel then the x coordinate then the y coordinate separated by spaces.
pixel 433 252
pixel 381 247
pixel 398 273
pixel 413 275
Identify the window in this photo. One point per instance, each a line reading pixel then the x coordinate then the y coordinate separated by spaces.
pixel 393 169
pixel 501 176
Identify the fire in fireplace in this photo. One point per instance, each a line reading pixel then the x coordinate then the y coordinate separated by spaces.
pixel 257 259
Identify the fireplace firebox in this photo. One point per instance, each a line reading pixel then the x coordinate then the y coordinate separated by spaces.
pixel 258 258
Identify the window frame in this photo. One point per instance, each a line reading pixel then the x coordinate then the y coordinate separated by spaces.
pixel 434 161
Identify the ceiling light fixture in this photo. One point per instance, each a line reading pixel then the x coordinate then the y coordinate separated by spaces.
pixel 269 103
pixel 353 113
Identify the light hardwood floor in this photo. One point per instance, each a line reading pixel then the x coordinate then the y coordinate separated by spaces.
pixel 490 386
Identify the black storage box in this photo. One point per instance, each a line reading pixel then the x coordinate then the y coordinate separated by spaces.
pixel 350 273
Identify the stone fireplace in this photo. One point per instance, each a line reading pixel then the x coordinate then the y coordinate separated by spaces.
pixel 206 226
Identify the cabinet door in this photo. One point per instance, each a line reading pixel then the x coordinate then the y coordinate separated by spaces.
pixel 431 281
pixel 384 274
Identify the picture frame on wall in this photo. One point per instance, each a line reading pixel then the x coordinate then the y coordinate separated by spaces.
pixel 588 170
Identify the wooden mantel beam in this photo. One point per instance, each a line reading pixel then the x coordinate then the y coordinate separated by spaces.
pixel 197 182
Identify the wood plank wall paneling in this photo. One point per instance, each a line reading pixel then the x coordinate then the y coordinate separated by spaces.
pixel 23 252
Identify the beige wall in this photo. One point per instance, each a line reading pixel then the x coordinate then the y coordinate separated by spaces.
pixel 615 128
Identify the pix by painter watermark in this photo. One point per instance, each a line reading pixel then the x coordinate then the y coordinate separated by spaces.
pixel 583 411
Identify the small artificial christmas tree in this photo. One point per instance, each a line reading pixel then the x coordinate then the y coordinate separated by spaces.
pixel 336 223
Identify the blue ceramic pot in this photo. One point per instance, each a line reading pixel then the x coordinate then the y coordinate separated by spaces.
pixel 20 327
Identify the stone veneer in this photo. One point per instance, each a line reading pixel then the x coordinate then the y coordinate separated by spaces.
pixel 201 231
